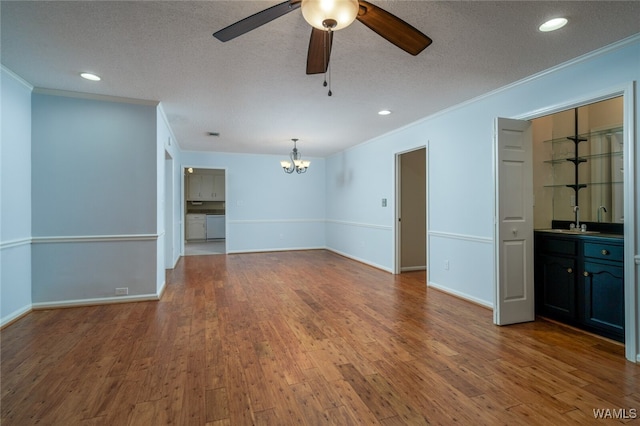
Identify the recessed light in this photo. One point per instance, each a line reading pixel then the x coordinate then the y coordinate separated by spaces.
pixel 90 76
pixel 553 24
pixel 384 112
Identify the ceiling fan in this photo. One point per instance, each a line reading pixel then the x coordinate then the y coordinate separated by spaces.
pixel 327 16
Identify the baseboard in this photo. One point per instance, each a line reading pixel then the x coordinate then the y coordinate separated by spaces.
pixel 96 301
pixel 15 316
pixel 269 250
pixel 357 259
pixel 162 289
pixel 460 295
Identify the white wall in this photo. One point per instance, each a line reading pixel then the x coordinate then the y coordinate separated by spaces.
pixel 15 196
pixel 95 200
pixel 461 186
pixel 267 209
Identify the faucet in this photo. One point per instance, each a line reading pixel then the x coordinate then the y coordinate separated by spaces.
pixel 601 209
pixel 576 209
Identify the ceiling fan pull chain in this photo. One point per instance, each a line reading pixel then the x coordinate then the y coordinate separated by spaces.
pixel 330 92
pixel 327 65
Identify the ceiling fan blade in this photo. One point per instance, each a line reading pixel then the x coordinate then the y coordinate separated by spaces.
pixel 319 51
pixel 257 19
pixel 392 28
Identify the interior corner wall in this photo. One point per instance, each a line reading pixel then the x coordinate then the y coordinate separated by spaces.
pixel 15 197
pixel 94 199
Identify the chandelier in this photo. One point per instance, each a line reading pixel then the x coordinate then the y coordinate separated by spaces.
pixel 300 166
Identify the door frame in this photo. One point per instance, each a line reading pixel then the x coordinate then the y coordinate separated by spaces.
pixel 183 203
pixel 397 235
pixel 169 220
pixel 626 90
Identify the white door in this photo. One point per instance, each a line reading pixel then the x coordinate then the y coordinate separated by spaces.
pixel 514 295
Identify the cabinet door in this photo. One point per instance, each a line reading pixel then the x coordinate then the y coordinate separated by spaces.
pixel 201 188
pixel 196 228
pixel 603 298
pixel 218 188
pixel 557 283
pixel 206 190
pixel 194 187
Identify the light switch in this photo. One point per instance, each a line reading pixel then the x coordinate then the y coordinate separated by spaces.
pixel 384 202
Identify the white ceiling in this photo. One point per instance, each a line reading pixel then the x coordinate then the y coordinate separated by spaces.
pixel 253 90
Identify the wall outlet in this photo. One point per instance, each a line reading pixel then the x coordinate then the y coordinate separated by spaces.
pixel 123 291
pixel 446 265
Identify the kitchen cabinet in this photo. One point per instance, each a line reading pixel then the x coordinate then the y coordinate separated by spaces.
pixel 579 280
pixel 218 188
pixel 205 187
pixel 196 227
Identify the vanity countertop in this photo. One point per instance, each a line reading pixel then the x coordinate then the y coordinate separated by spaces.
pixel 581 234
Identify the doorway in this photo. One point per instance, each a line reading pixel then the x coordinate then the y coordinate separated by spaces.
pixel 411 211
pixel 205 214
pixel 626 92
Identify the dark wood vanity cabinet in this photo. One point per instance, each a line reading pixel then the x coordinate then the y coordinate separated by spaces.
pixel 579 280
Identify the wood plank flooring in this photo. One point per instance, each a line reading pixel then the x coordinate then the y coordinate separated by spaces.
pixel 305 338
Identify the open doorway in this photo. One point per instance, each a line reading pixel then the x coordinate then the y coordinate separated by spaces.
pixel 205 211
pixel 604 194
pixel 578 182
pixel 411 211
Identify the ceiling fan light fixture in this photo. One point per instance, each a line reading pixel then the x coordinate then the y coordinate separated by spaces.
pixel 329 14
pixel 553 24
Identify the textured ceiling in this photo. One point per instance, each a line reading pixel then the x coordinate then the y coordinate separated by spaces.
pixel 253 90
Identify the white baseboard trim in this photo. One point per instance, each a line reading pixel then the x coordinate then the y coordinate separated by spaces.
pixel 460 295
pixel 162 289
pixel 366 262
pixel 15 315
pixel 267 250
pixel 96 301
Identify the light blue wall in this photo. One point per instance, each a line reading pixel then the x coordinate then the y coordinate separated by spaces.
pixel 95 199
pixel 357 224
pixel 460 173
pixel 266 209
pixel 15 196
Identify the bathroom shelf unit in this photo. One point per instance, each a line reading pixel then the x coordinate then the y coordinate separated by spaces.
pixel 597 148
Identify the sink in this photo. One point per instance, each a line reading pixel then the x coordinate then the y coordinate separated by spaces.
pixel 570 231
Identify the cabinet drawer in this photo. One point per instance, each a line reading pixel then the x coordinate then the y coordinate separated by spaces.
pixel 557 246
pixel 604 251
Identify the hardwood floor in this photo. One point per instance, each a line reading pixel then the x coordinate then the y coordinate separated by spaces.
pixel 307 338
